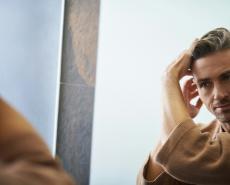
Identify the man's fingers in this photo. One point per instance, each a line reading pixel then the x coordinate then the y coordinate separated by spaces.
pixel 193 45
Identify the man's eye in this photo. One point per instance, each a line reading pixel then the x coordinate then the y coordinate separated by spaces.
pixel 226 77
pixel 204 84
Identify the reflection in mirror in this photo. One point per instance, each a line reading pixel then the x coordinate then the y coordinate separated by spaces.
pixel 137 40
pixel 30 58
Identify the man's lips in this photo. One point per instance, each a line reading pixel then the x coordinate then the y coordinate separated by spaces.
pixel 222 107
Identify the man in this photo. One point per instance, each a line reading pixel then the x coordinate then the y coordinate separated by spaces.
pixel 190 153
pixel 24 157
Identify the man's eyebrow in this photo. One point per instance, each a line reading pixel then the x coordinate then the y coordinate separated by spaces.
pixel 225 73
pixel 207 79
pixel 202 80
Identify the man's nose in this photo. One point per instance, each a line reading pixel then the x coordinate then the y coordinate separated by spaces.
pixel 219 92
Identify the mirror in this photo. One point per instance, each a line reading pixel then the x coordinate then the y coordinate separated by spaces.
pixel 137 40
pixel 30 49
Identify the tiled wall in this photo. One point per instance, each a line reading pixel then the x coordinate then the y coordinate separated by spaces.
pixel 77 87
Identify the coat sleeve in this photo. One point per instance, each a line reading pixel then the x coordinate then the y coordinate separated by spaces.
pixel 25 160
pixel 192 156
pixel 162 179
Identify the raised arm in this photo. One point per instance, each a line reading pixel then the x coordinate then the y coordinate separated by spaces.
pixel 174 112
pixel 174 109
pixel 189 153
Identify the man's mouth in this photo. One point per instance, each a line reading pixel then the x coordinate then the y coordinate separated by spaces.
pixel 222 107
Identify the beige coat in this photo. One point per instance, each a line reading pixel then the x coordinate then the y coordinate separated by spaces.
pixel 24 157
pixel 192 154
pixel 25 160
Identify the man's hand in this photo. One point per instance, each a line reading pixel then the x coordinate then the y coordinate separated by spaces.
pixel 179 67
pixel 190 92
pixel 174 107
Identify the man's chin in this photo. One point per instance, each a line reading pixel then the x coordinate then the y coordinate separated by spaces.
pixel 223 118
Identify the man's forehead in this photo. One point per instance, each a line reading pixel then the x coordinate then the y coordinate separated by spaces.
pixel 212 65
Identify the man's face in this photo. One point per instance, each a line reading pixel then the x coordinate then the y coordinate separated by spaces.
pixel 212 77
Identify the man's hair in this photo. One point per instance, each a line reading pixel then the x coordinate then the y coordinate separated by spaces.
pixel 213 41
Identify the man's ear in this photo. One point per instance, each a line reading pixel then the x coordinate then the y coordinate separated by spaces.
pixel 194 79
